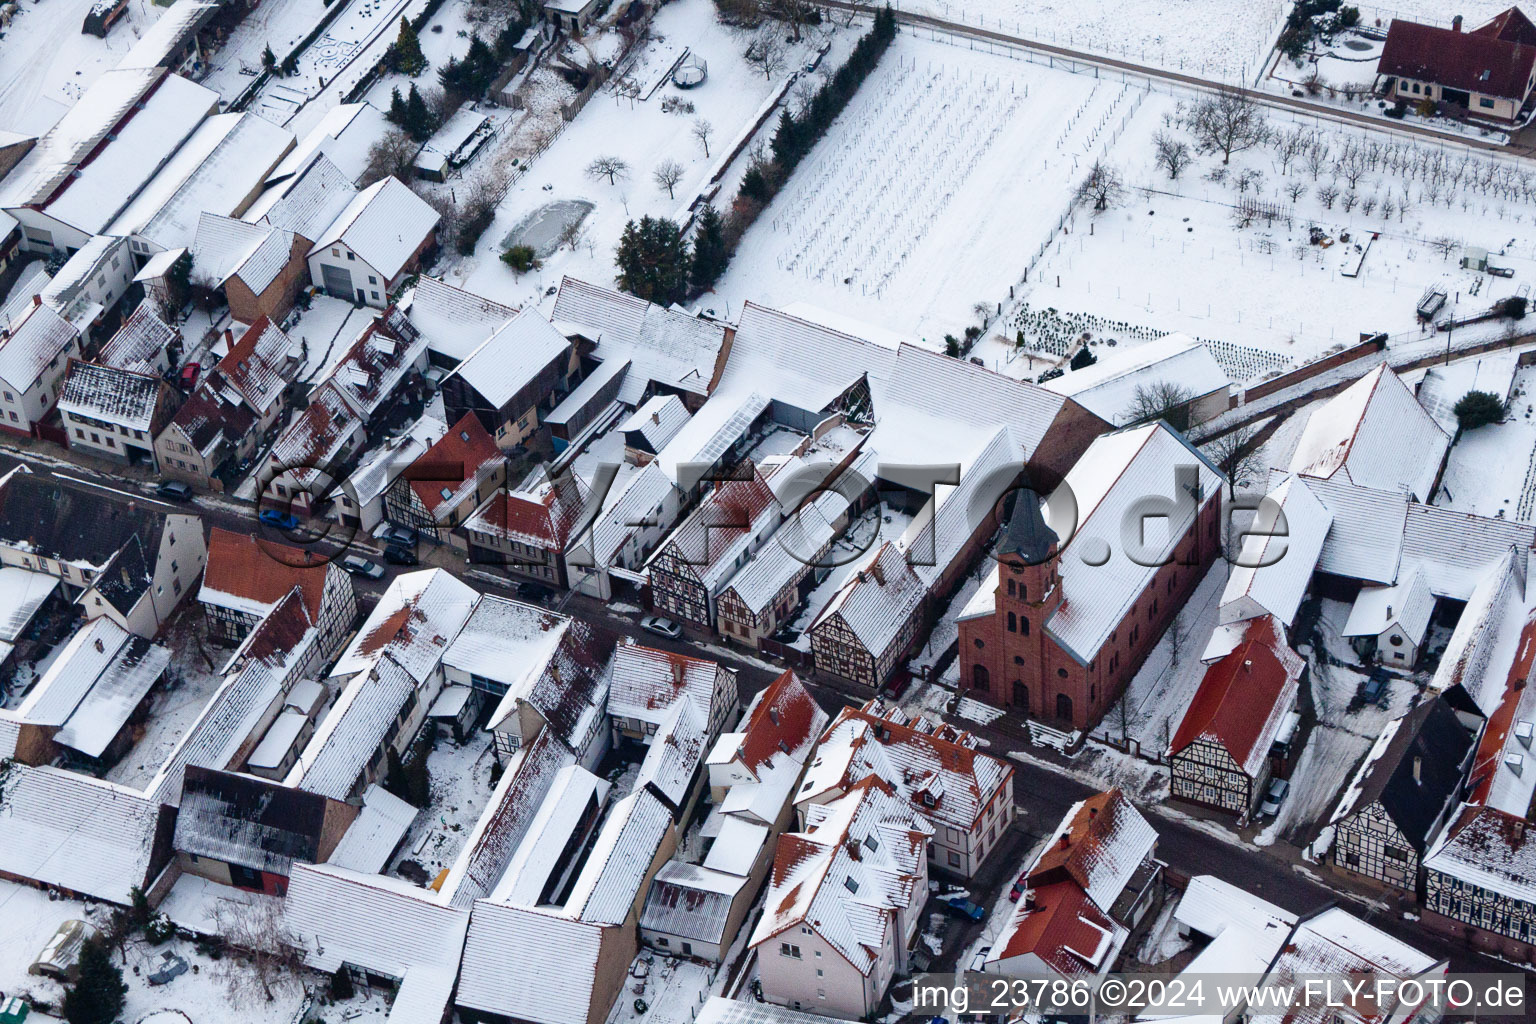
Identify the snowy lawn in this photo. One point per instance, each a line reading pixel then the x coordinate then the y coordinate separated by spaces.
pixel 202 994
pixel 174 708
pixel 930 191
pixel 1171 255
pixel 946 631
pixel 671 991
pixel 638 132
pixel 46 62
pixel 1210 38
pixel 1491 471
pixel 461 788
pixel 326 330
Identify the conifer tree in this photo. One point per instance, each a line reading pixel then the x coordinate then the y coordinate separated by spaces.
pixel 96 997
pixel 710 254
pixel 407 55
pixel 653 261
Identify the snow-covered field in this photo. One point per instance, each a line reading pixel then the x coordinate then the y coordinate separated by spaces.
pixel 1172 256
pixel 931 191
pixel 46 62
pixel 1210 38
pixel 640 133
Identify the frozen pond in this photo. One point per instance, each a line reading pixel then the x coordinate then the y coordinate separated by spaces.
pixel 541 229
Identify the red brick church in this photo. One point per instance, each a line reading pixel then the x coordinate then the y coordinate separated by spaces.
pixel 1057 632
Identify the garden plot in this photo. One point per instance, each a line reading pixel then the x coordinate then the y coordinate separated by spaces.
pixel 280 24
pixel 1214 39
pixel 638 132
pixel 1228 252
pixel 1491 471
pixel 929 192
pixel 46 62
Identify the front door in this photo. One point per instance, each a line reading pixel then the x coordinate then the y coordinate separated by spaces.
pixel 337 280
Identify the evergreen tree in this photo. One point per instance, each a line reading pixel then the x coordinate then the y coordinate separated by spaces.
pixel 786 142
pixel 754 184
pixel 268 58
pixel 418 119
pixel 290 65
pixel 653 261
pixel 96 997
pixel 483 59
pixel 407 55
pixel 1084 357
pixel 397 113
pixel 710 253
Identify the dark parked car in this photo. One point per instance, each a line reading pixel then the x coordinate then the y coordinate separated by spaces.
pixel 360 566
pixel 964 907
pixel 397 555
pixel 175 490
pixel 281 520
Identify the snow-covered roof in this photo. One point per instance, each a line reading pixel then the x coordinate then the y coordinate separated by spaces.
pixel 1365 541
pixel 878 600
pixel 541 514
pixel 122 397
pixel 215 171
pixel 414 622
pixel 937 770
pixel 564 816
pixel 343 137
pixel 226 248
pixel 716 537
pixel 848 873
pixel 385 462
pixel 1334 941
pixel 508 642
pixel 384 353
pixel 1483 645
pixel 453 320
pixel 374 833
pixel 78 833
pixel 94 685
pixel 1377 434
pixel 1456 549
pixel 94 115
pixel 384 225
pixel 645 492
pixel 719 1010
pixel 1445 385
pixel 251 575
pixel 1407 604
pixel 456 466
pixel 1108 387
pixel 644 682
pixel 1245 931
pixel 662 345
pixel 161 40
pixel 1243 698
pixel 353 731
pixel 260 365
pixel 674 754
pixel 1489 849
pixel 22 593
pixel 534 964
pixel 690 901
pixel 612 881
pixel 308 204
pixel 142 339
pixel 1059 924
pixel 1116 473
pixel 135 152
pixel 513 357
pixel 654 423
pixel 42 338
pixel 1272 573
pixel 378 922
pixel 1099 844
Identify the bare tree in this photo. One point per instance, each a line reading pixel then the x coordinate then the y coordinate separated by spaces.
pixel 1349 200
pixel 794 12
pixel 702 130
pixel 1316 158
pixel 610 167
pixel 1172 154
pixel 667 174
pixel 767 52
pixel 1249 178
pixel 1102 185
pixel 393 156
pixel 1228 123
pixel 571 235
pixel 1444 245
pixel 1295 189
pixel 1290 145
pixel 1238 457
pixel 1327 195
pixel 269 957
pixel 1162 400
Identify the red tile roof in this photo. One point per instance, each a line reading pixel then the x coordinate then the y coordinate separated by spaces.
pixel 1059 924
pixel 261 570
pixel 1512 26
pixel 1090 841
pixel 780 722
pixel 1472 61
pixel 543 517
pixel 1237 700
pixel 455 460
pixel 1491 751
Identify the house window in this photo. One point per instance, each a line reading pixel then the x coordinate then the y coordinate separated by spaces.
pixel 785 949
pixel 954 859
pixel 1352 859
pixel 661 940
pixel 979 643
pixel 1024 625
pixel 1010 588
pixel 372 279
pixel 1013 623
pixel 1061 672
pixel 1395 853
pixel 351 255
pixel 1485 102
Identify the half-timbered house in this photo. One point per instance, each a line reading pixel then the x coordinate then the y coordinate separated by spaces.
pixel 1407 789
pixel 1480 883
pixel 870 623
pixel 1220 754
pixel 449 481
pixel 246 578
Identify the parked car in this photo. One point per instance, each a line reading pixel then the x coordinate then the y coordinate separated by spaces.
pixel 189 375
pixel 357 565
pixel 1278 789
pixel 175 490
pixel 980 959
pixel 280 519
pixel 394 554
pixel 964 907
pixel 1019 885
pixel 393 534
pixel 661 627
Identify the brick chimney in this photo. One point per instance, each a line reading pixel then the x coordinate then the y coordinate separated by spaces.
pixel 1456 23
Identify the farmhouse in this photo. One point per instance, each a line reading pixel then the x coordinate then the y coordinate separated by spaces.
pixel 114 413
pixel 1488 72
pixel 247 577
pixel 373 244
pixel 511 376
pixel 447 482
